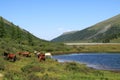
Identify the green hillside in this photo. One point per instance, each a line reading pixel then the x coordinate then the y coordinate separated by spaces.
pixel 14 39
pixel 105 31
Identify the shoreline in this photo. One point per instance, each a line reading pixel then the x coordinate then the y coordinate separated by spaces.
pixel 99 67
pixel 97 48
pixel 84 52
pixel 92 66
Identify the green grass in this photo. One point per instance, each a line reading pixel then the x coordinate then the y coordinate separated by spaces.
pixel 115 40
pixel 100 48
pixel 32 69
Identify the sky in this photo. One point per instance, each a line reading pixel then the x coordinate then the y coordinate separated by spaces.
pixel 48 19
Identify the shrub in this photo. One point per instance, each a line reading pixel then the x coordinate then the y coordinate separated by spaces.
pixel 33 68
pixel 2 64
pixel 27 68
pixel 48 77
pixel 98 73
pixel 33 77
pixel 13 75
pixel 72 66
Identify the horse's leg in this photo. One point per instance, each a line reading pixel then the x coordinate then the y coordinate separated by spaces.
pixel 27 55
pixel 40 59
pixel 19 54
pixel 14 59
pixel 8 58
pixel 44 59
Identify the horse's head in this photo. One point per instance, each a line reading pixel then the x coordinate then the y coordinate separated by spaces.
pixel 5 54
pixel 12 57
pixel 41 57
pixel 19 53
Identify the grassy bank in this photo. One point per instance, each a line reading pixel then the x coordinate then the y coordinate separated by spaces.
pixel 101 48
pixel 31 69
pixel 96 48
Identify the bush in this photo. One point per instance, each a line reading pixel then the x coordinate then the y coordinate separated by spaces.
pixel 13 75
pixel 72 66
pixel 33 77
pixel 33 68
pixel 48 77
pixel 2 64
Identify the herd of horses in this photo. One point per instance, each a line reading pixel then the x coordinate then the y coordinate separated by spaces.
pixel 13 57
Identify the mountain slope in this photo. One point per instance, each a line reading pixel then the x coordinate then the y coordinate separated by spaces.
pixel 104 31
pixel 14 39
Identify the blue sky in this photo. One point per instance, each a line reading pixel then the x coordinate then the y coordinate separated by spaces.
pixel 48 19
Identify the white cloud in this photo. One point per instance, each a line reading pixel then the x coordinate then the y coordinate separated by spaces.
pixel 60 29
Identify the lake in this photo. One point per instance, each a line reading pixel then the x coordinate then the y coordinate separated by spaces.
pixel 104 61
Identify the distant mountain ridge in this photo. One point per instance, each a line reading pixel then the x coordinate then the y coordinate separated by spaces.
pixel 70 32
pixel 105 31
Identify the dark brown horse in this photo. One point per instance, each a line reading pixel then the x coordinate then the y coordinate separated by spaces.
pixel 41 57
pixel 26 54
pixel 10 56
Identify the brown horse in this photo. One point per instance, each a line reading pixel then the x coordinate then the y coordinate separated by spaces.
pixel 41 57
pixel 26 54
pixel 10 56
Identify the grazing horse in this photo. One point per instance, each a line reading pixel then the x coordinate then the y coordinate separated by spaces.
pixel 41 57
pixel 10 56
pixel 48 55
pixel 26 54
pixel 35 52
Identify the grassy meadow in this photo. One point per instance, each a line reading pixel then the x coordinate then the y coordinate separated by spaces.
pixel 29 68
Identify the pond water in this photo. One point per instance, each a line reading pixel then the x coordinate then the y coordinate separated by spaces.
pixel 104 61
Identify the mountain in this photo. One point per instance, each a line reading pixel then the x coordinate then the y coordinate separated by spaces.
pixel 14 39
pixel 105 31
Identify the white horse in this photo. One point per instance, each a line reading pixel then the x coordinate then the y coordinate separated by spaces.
pixel 48 55
pixel 36 53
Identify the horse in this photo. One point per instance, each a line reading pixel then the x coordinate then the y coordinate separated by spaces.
pixel 26 54
pixel 41 57
pixel 36 53
pixel 10 56
pixel 48 55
